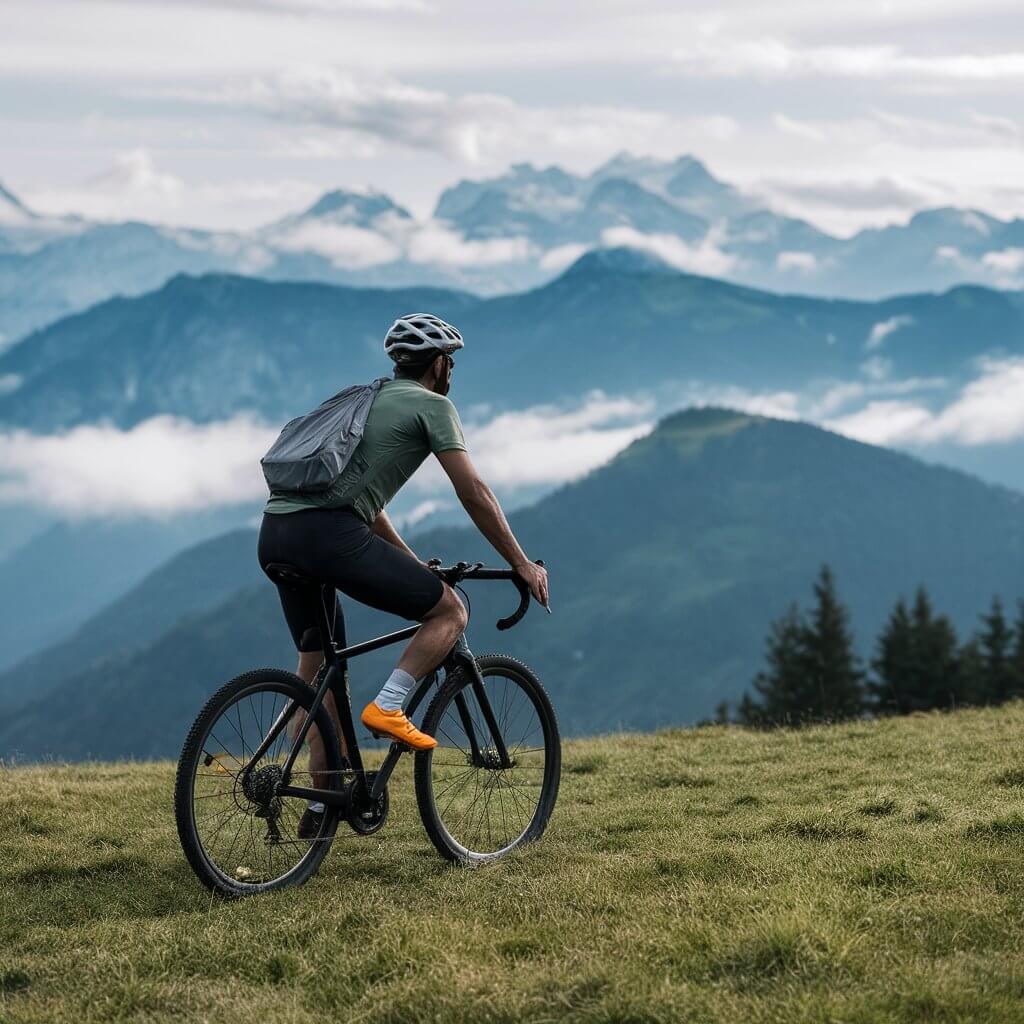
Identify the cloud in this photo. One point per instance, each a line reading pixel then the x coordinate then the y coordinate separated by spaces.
pixel 881 330
pixel 434 243
pixel 162 466
pixel 393 238
pixel 1002 267
pixel 714 55
pixel 561 256
pixel 802 262
pixel 548 444
pixel 703 258
pixel 345 245
pixel 422 509
pixel 469 128
pixel 134 187
pixel 988 410
pixel 998 126
pixel 476 128
pixel 802 129
pixel 168 465
pixel 8 381
pixel 782 405
pixel 291 7
pixel 552 445
pixel 876 194
pixel 1006 265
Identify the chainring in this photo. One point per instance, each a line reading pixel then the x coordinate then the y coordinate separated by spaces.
pixel 366 816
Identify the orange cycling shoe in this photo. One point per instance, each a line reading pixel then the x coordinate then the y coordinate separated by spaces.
pixel 393 725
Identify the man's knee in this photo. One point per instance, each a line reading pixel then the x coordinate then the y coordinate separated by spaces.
pixel 451 609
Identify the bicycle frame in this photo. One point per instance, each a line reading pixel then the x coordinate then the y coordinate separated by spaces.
pixel 333 676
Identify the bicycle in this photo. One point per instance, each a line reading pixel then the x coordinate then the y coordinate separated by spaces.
pixel 239 793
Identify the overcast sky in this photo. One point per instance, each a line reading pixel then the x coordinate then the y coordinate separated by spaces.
pixel 232 112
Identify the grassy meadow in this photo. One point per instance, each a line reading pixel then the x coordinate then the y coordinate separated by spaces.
pixel 870 872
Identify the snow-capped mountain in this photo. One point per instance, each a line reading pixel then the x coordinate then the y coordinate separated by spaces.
pixel 505 234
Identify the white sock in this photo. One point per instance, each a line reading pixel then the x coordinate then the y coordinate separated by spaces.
pixel 316 807
pixel 395 690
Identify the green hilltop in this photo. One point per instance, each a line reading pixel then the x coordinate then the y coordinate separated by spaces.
pixel 865 873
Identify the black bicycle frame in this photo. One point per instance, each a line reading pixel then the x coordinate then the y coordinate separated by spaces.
pixel 333 675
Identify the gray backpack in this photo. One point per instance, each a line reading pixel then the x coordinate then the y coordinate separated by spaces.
pixel 312 451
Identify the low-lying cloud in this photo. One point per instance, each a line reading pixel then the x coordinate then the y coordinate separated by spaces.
pixel 881 330
pixel 161 466
pixel 988 410
pixel 703 258
pixel 168 465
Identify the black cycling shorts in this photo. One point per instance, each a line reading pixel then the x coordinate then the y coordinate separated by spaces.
pixel 335 546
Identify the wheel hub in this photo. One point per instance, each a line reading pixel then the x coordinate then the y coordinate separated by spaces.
pixel 491 760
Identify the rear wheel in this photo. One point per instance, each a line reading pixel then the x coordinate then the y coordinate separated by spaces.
pixel 473 809
pixel 237 832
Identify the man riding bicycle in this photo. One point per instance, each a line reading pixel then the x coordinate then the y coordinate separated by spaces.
pixel 345 538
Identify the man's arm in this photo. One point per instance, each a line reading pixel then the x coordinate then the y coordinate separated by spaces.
pixel 483 508
pixel 384 529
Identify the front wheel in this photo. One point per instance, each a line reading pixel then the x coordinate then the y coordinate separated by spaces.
pixel 473 809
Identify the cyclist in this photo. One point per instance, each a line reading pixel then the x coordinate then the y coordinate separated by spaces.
pixel 345 538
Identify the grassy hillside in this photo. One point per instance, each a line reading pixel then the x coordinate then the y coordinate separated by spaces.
pixel 864 873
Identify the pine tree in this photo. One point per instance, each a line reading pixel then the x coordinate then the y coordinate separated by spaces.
pixel 836 678
pixel 894 664
pixel 935 656
pixel 813 673
pixel 783 687
pixel 970 673
pixel 996 643
pixel 916 663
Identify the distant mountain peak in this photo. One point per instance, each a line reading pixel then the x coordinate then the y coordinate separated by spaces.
pixel 629 165
pixel 620 260
pixel 355 205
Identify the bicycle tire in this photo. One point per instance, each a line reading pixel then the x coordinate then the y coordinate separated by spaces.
pixel 257 681
pixel 445 843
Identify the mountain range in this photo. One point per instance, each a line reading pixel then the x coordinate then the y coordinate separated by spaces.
pixel 667 565
pixel 617 320
pixel 504 234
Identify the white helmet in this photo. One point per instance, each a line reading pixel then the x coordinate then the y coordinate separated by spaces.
pixel 415 335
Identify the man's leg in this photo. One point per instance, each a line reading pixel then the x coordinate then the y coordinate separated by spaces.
pixel 309 665
pixel 442 626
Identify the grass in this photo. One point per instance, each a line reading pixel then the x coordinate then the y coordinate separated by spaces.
pixel 865 873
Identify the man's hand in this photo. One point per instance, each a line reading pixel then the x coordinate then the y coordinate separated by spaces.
pixel 536 577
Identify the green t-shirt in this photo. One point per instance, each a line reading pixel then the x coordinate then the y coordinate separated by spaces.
pixel 405 424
